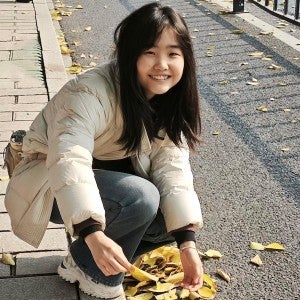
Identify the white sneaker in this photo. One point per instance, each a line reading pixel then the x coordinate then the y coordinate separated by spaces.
pixel 69 271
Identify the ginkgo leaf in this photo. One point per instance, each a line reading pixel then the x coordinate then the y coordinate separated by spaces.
pixel 256 260
pixel 143 296
pixel 256 246
pixel 216 133
pixel 238 31
pixel 141 275
pixel 208 281
pixel 74 69
pixel 7 259
pixel 262 108
pixel 66 50
pixel 79 6
pixel 275 67
pixel 162 287
pixel 266 33
pixel 88 28
pixel 286 109
pixel 213 253
pixel 175 278
pixel 206 293
pixel 184 293
pixel 257 54
pixel 224 82
pixel 285 149
pixel 223 275
pixel 131 291
pixel 171 295
pixel 274 246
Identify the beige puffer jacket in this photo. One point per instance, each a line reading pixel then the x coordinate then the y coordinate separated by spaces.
pixel 81 122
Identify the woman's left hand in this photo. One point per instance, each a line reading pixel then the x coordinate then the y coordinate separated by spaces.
pixel 192 266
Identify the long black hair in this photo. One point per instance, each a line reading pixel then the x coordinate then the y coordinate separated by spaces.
pixel 177 111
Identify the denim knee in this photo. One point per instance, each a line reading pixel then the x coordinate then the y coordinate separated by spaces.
pixel 146 198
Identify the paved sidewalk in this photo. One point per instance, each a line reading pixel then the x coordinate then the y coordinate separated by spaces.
pixel 31 71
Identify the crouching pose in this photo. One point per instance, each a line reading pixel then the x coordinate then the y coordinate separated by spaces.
pixel 109 157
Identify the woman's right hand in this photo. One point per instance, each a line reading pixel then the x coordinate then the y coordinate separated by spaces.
pixel 107 254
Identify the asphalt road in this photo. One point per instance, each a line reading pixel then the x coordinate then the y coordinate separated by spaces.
pixel 247 168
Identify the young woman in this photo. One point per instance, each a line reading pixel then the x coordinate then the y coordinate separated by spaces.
pixel 109 155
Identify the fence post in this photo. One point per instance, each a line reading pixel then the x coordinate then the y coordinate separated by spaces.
pixel 238 6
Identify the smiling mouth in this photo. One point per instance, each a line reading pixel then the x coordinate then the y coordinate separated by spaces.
pixel 159 77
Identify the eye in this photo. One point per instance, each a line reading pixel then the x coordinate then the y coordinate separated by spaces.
pixel 149 52
pixel 174 54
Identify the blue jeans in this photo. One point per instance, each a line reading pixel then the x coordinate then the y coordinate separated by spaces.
pixel 133 220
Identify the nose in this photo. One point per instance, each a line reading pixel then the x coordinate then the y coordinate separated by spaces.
pixel 161 63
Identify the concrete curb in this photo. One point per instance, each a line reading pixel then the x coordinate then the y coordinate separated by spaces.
pixel 54 64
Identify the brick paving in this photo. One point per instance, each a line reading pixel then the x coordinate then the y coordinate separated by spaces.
pixel 31 71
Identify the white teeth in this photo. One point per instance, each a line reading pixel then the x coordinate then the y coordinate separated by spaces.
pixel 160 77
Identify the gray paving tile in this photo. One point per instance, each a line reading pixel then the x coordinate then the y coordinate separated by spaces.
pixel 6 99
pixel 54 239
pixel 2 207
pixel 5 116
pixel 39 287
pixel 4 55
pixel 39 262
pixel 24 116
pixel 32 99
pixel 4 270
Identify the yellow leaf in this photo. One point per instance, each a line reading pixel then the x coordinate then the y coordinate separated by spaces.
pixel 285 149
pixel 7 259
pixel 216 133
pixel 3 178
pixel 74 69
pixel 224 275
pixel 175 278
pixel 194 295
pixel 66 50
pixel 131 291
pixel 206 293
pixel 238 31
pixel 184 293
pixel 266 33
pixel 141 275
pixel 89 28
pixel 79 6
pixel 256 260
pixel 144 296
pixel 162 287
pixel 275 67
pixel 213 253
pixel 256 54
pixel 256 246
pixel 274 246
pixel 286 109
pixel 263 108
pixel 171 295
pixel 224 82
pixel 208 281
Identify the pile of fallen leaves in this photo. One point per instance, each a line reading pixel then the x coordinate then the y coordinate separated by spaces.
pixel 158 274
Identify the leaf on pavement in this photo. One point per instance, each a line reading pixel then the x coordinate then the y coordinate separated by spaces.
pixel 4 178
pixel 74 69
pixel 66 50
pixel 7 259
pixel 256 260
pixel 79 6
pixel 274 67
pixel 223 275
pixel 206 293
pixel 274 246
pixel 266 33
pixel 257 54
pixel 262 108
pixel 88 28
pixel 238 31
pixel 257 246
pixel 213 253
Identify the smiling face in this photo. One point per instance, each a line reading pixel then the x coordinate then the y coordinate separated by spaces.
pixel 160 67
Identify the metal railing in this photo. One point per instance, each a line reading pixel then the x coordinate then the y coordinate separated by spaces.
pixel 285 9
